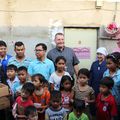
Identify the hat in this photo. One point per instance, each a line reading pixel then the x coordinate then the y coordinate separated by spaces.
pixel 102 50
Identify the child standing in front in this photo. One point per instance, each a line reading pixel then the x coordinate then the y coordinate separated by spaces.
pixel 83 91
pixel 106 108
pixel 22 76
pixel 114 72
pixel 66 92
pixel 78 111
pixel 23 101
pixel 41 95
pixel 55 77
pixel 55 110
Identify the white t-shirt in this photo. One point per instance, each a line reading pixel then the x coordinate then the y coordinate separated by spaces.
pixel 55 79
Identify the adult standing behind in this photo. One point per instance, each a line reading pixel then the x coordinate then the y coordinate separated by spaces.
pixel 60 50
pixel 4 57
pixel 19 59
pixel 41 64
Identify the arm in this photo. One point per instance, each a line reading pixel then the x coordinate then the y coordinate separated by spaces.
pixel 46 116
pixel 76 69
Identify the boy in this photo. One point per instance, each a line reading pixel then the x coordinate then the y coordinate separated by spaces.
pixel 12 80
pixel 31 113
pixel 55 111
pixel 78 111
pixel 105 102
pixel 22 76
pixel 23 101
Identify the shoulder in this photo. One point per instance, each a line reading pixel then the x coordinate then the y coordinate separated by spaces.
pixel 12 59
pixel 84 116
pixel 51 51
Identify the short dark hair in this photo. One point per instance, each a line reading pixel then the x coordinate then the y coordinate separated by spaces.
pixel 113 57
pixel 43 46
pixel 19 43
pixel 55 94
pixel 79 105
pixel 29 87
pixel 2 43
pixel 108 82
pixel 12 67
pixel 84 71
pixel 30 109
pixel 40 76
pixel 22 68
pixel 60 58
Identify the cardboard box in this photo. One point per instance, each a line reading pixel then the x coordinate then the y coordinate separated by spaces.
pixel 3 90
pixel 4 103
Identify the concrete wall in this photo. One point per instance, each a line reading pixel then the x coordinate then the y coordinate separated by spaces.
pixel 29 20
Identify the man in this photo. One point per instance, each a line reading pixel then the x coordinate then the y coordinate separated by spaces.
pixel 20 59
pixel 60 50
pixel 4 57
pixel 41 65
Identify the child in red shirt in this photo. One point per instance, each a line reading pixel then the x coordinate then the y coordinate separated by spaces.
pixel 23 101
pixel 41 95
pixel 105 102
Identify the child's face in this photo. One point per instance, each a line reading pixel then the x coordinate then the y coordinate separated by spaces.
pixel 11 73
pixel 67 85
pixel 82 79
pixel 25 94
pixel 100 57
pixel 33 116
pixel 36 81
pixel 104 89
pixel 60 65
pixel 55 102
pixel 111 65
pixel 22 75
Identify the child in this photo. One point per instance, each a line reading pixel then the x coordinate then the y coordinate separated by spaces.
pixel 22 76
pixel 41 95
pixel 82 90
pixel 97 69
pixel 66 92
pixel 78 111
pixel 55 77
pixel 12 81
pixel 105 102
pixel 55 111
pixel 114 72
pixel 23 101
pixel 31 113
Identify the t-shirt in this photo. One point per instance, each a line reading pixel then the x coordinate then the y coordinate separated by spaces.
pixel 44 99
pixel 22 105
pixel 55 79
pixel 106 108
pixel 51 114
pixel 80 95
pixel 83 116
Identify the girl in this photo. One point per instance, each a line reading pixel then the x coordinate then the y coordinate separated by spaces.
pixel 55 78
pixel 97 69
pixel 66 92
pixel 41 95
pixel 82 90
pixel 114 72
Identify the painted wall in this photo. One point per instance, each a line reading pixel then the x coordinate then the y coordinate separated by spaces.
pixel 29 20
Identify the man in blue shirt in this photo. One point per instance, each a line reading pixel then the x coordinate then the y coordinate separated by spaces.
pixel 4 57
pixel 42 64
pixel 20 59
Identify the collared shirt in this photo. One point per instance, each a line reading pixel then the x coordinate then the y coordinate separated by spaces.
pixel 25 62
pixel 68 53
pixel 46 68
pixel 116 88
pixel 13 85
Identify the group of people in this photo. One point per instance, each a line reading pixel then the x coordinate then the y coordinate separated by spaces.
pixel 52 87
